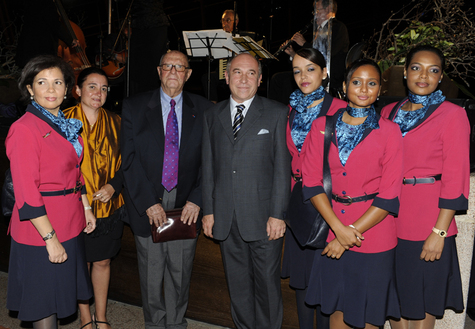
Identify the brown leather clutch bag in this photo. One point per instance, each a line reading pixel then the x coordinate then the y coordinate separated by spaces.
pixel 173 229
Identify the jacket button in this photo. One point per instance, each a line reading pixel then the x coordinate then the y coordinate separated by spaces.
pixel 343 211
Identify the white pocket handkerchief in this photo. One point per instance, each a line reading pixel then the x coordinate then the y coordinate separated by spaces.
pixel 263 131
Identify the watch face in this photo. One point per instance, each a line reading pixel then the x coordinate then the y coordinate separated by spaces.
pixel 442 233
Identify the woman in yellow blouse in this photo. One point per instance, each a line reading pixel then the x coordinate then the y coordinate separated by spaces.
pixel 100 168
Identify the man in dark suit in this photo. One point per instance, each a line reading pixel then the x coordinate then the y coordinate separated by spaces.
pixel 246 187
pixel 161 160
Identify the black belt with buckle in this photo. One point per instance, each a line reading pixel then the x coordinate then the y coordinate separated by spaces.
pixel 347 200
pixel 425 180
pixel 296 178
pixel 74 190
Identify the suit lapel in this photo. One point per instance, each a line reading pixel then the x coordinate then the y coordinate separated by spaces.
pixel 155 120
pixel 226 121
pixel 188 121
pixel 251 117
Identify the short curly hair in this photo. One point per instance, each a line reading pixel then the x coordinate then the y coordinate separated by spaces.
pixel 40 63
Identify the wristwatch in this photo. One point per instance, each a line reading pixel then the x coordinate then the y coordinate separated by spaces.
pixel 441 233
pixel 49 235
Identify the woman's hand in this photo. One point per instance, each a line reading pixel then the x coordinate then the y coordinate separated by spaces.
pixel 90 221
pixel 56 252
pixel 334 249
pixel 104 194
pixel 348 236
pixel 432 248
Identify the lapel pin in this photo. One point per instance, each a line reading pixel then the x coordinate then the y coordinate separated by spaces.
pixel 47 134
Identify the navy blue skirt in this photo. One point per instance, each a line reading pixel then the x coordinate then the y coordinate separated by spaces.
pixel 38 288
pixel 297 262
pixel 361 285
pixel 428 287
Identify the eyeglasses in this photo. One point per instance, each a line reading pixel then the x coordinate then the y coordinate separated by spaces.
pixel 316 11
pixel 227 20
pixel 178 67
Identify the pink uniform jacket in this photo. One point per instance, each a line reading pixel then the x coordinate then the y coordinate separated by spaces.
pixel 329 107
pixel 42 159
pixel 374 166
pixel 440 144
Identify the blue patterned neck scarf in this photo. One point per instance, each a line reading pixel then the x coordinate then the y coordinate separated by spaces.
pixel 304 117
pixel 70 127
pixel 300 102
pixel 359 112
pixel 348 136
pixel 408 119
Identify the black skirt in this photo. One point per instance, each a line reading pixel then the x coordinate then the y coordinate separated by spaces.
pixel 297 262
pixel 428 287
pixel 105 241
pixel 38 288
pixel 361 285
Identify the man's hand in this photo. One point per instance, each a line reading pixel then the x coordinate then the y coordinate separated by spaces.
pixel 190 213
pixel 275 228
pixel 299 39
pixel 208 223
pixel 156 215
pixel 290 51
pixel 104 194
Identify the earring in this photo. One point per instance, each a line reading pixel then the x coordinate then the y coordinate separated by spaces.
pixel 405 77
pixel 31 97
pixel 377 98
pixel 440 81
pixel 65 97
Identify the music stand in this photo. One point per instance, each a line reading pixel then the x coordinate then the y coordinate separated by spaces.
pixel 209 44
pixel 247 44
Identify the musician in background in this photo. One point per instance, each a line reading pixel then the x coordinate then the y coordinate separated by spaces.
pixel 41 31
pixel 228 19
pixel 282 84
pixel 218 87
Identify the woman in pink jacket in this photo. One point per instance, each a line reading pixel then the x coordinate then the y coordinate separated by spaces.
pixel 47 270
pixel 436 184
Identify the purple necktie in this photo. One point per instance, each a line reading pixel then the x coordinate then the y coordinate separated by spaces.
pixel 170 158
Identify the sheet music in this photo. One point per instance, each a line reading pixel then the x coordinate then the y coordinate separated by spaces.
pixel 247 44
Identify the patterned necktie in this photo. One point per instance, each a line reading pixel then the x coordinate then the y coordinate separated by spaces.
pixel 170 158
pixel 238 119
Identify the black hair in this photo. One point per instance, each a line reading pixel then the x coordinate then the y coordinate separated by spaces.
pixel 313 56
pixel 430 48
pixel 356 65
pixel 87 72
pixel 40 63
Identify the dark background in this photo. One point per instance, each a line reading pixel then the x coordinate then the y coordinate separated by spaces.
pixel 277 20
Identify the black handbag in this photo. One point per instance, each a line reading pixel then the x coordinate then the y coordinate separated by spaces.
pixel 8 197
pixel 308 226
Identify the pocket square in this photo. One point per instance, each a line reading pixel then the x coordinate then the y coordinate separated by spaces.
pixel 263 131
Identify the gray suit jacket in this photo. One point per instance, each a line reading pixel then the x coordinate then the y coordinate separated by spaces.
pixel 249 176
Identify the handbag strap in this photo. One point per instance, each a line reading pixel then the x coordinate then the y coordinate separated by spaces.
pixel 327 178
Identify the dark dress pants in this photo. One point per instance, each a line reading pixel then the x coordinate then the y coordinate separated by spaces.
pixel 253 275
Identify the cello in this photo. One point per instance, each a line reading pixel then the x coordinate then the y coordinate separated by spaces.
pixel 75 56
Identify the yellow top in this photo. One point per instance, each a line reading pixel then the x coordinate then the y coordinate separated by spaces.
pixel 101 155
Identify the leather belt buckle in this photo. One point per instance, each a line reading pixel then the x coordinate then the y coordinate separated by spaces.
pixel 350 200
pixel 77 187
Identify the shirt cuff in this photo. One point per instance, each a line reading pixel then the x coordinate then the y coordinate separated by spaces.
pixel 391 205
pixel 461 203
pixel 28 212
pixel 310 192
